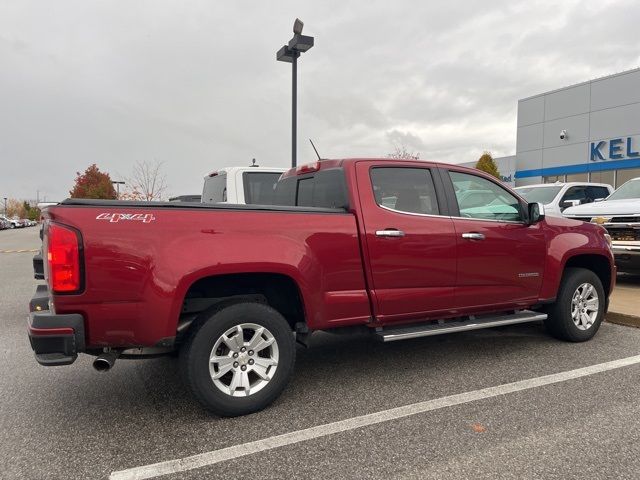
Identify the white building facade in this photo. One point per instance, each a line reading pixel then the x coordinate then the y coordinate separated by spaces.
pixel 585 132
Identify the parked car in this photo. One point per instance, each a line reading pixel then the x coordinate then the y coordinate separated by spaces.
pixel 620 215
pixel 4 224
pixel 13 222
pixel 241 185
pixel 556 197
pixel 229 286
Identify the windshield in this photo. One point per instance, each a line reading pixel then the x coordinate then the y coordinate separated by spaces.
pixel 627 191
pixel 539 194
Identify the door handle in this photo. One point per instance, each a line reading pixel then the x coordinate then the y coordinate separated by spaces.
pixel 473 236
pixel 389 232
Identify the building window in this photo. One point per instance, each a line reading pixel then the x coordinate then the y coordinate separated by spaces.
pixel 626 174
pixel 607 176
pixel 578 177
pixel 553 179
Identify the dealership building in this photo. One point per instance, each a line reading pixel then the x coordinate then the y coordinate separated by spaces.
pixel 585 132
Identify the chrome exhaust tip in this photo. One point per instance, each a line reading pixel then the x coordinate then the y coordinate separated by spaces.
pixel 105 361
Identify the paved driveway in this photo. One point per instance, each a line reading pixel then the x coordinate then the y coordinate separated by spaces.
pixel 73 422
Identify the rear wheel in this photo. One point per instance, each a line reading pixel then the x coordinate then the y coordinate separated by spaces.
pixel 239 359
pixel 579 308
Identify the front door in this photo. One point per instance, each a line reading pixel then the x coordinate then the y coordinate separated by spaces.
pixel 410 243
pixel 500 257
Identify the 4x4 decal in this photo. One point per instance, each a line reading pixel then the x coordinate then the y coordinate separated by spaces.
pixel 117 217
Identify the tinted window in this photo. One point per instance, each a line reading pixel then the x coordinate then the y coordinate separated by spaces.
pixel 259 187
pixel 305 192
pixel 595 193
pixel 325 189
pixel 576 193
pixel 497 203
pixel 285 191
pixel 405 189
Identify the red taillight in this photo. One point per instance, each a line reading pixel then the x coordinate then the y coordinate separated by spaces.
pixel 64 259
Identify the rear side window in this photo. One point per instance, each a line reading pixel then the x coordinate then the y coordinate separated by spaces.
pixel 405 189
pixel 325 189
pixel 259 187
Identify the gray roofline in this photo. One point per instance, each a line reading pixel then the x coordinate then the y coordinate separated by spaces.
pixel 598 79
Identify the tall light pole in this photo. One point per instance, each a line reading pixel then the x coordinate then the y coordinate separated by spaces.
pixel 290 53
pixel 117 184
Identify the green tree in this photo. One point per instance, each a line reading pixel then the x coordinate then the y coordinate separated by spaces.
pixel 93 184
pixel 487 164
pixel 34 214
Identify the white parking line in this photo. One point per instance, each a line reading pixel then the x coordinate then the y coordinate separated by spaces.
pixel 236 451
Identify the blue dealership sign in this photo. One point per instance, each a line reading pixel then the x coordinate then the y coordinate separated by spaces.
pixel 614 149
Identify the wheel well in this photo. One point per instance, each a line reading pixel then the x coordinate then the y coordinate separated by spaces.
pixel 276 290
pixel 597 264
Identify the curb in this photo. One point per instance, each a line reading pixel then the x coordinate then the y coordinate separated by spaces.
pixel 623 319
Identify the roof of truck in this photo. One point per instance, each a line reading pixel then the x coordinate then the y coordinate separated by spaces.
pixel 234 170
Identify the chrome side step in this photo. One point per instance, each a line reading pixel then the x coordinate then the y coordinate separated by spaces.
pixel 451 326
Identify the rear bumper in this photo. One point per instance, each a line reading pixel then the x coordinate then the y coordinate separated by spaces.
pixel 55 339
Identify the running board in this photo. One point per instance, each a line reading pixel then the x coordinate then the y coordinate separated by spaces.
pixel 469 323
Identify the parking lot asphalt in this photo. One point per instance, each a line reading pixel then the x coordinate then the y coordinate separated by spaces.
pixel 73 422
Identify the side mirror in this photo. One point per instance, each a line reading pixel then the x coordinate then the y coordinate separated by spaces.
pixel 536 212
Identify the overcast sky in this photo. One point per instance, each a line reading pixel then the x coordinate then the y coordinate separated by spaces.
pixel 196 85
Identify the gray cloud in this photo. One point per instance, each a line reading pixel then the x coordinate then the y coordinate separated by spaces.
pixel 196 85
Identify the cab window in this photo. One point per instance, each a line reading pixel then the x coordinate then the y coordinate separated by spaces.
pixel 405 189
pixel 483 199
pixel 576 193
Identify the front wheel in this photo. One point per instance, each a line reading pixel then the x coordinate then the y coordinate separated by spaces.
pixel 239 359
pixel 579 308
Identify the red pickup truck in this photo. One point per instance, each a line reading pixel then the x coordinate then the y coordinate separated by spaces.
pixel 400 249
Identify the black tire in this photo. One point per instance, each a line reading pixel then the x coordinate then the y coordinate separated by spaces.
pixel 195 353
pixel 560 323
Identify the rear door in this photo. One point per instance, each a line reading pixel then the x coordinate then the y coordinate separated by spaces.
pixel 410 240
pixel 500 257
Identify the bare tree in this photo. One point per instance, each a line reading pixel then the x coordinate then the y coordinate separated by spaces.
pixel 400 152
pixel 146 183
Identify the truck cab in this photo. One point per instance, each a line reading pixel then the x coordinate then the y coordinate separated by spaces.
pixel 241 185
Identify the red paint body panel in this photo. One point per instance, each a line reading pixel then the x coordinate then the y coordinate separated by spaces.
pixel 413 276
pixel 137 274
pixel 137 270
pixel 491 272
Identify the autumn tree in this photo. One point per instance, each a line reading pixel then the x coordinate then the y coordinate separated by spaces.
pixel 147 182
pixel 401 152
pixel 488 165
pixel 93 184
pixel 15 208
